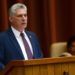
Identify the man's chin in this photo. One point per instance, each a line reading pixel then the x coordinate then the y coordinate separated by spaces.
pixel 24 26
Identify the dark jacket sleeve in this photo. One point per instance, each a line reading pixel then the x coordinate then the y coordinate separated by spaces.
pixel 1 53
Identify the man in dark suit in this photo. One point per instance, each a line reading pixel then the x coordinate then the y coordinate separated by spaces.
pixel 11 43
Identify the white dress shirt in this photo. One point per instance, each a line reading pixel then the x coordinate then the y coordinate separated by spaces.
pixel 19 40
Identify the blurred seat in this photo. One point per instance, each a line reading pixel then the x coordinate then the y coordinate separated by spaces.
pixel 56 49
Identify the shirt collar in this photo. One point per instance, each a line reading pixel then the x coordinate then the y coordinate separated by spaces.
pixel 16 32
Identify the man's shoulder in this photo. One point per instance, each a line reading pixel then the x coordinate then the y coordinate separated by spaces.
pixel 2 34
pixel 30 33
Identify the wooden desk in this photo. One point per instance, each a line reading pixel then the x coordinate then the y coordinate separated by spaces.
pixel 45 66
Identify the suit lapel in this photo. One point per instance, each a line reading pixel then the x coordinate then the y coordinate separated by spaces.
pixel 30 38
pixel 32 42
pixel 14 43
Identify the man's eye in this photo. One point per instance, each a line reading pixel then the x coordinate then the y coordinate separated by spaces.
pixel 25 15
pixel 21 15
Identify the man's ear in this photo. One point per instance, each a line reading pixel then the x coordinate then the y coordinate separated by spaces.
pixel 10 19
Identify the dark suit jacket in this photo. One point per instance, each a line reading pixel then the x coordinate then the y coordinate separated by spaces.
pixel 10 49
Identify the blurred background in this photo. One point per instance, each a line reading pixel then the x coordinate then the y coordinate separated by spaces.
pixel 52 20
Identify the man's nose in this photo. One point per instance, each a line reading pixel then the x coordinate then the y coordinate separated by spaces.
pixel 24 17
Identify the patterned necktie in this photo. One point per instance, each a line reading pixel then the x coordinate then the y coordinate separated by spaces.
pixel 27 48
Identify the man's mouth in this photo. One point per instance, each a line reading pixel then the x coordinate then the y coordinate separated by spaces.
pixel 23 23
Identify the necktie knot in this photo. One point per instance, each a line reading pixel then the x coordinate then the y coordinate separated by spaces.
pixel 22 34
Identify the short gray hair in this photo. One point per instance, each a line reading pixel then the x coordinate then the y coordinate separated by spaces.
pixel 16 6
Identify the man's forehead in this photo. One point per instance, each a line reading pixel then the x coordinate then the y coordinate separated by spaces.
pixel 21 11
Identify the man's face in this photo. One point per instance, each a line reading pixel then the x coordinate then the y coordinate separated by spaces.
pixel 19 19
pixel 72 48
